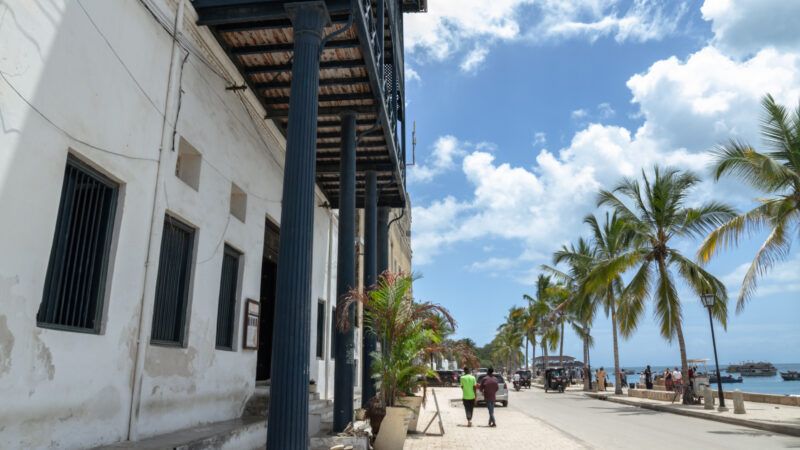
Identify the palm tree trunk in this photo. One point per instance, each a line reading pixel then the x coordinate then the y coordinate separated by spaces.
pixel 688 399
pixel 526 353
pixel 618 384
pixel 586 375
pixel 533 356
pixel 561 350
pixel 546 357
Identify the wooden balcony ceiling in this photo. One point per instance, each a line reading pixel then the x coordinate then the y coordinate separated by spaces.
pixel 262 50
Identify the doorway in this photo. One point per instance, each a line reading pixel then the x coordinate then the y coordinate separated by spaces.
pixel 269 273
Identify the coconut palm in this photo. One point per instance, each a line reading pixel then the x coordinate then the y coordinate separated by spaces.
pixel 658 216
pixel 535 312
pixel 507 345
pixel 560 295
pixel 611 239
pixel 580 260
pixel 776 173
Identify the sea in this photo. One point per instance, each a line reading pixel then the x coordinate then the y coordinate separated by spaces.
pixel 760 385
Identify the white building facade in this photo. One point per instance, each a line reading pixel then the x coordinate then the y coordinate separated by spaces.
pixel 132 322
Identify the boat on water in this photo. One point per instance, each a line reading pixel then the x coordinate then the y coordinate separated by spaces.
pixel 790 375
pixel 734 368
pixel 725 379
pixel 758 369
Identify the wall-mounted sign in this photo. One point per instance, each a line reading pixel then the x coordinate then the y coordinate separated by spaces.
pixel 252 323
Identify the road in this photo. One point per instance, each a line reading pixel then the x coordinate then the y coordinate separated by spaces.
pixel 606 425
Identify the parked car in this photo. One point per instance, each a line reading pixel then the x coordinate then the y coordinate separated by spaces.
pixel 502 391
pixel 446 378
pixel 449 377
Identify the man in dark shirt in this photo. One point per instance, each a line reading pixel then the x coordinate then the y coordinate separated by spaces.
pixel 648 378
pixel 489 388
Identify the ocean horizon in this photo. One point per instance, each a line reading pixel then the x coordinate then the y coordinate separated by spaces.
pixel 760 385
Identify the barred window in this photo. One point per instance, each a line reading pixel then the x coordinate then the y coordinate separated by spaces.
pixel 172 284
pixel 226 309
pixel 76 274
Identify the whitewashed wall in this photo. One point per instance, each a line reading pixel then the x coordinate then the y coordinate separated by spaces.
pixel 97 71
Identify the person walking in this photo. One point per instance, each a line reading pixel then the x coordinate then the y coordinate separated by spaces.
pixel 677 379
pixel 668 380
pixel 468 389
pixel 648 378
pixel 489 388
pixel 601 379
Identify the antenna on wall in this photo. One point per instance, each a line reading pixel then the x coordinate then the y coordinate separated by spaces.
pixel 413 145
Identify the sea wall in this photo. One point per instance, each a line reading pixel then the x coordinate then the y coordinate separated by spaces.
pixel 661 395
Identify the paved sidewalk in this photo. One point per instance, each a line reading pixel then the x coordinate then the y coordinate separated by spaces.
pixel 514 428
pixel 762 416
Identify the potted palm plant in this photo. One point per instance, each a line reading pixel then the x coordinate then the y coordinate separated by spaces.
pixel 406 333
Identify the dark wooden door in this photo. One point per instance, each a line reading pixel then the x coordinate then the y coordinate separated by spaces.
pixel 269 273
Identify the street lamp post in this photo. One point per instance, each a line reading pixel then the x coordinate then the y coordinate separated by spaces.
pixel 708 301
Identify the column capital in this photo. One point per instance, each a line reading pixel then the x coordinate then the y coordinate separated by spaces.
pixel 348 113
pixel 308 17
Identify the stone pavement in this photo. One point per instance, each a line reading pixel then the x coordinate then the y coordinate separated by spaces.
pixel 763 416
pixel 514 428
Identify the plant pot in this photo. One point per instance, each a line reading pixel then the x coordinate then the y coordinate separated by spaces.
pixel 415 403
pixel 394 426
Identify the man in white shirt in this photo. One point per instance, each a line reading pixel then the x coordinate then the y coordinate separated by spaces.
pixel 676 376
pixel 516 377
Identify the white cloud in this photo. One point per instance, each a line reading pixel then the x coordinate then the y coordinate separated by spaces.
pixel 446 151
pixel 709 97
pixel 605 110
pixel 474 58
pixel 412 75
pixel 539 138
pixel 743 27
pixel 543 206
pixel 450 26
pixel 782 278
pixel 579 113
pixel 644 20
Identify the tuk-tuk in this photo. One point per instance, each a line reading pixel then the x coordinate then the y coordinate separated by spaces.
pixel 556 378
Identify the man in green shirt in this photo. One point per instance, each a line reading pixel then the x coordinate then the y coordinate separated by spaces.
pixel 468 385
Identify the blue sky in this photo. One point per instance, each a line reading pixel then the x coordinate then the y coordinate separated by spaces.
pixel 526 108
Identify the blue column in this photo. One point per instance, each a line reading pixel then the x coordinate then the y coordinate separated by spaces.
pixel 288 406
pixel 370 278
pixel 344 371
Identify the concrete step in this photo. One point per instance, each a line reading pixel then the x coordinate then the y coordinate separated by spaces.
pixel 243 433
pixel 326 442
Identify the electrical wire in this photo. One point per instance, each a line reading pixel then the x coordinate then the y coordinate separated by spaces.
pixel 65 132
pixel 110 47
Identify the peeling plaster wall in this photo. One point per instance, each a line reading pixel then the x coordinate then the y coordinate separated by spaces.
pixel 102 97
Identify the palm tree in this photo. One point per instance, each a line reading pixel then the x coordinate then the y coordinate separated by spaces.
pixel 507 345
pixel 536 311
pixel 660 214
pixel 580 260
pixel 611 239
pixel 775 173
pixel 560 295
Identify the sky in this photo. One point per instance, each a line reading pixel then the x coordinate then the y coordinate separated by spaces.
pixel 524 109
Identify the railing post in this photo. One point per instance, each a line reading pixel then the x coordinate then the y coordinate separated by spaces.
pixel 344 371
pixel 288 406
pixel 380 43
pixel 370 278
